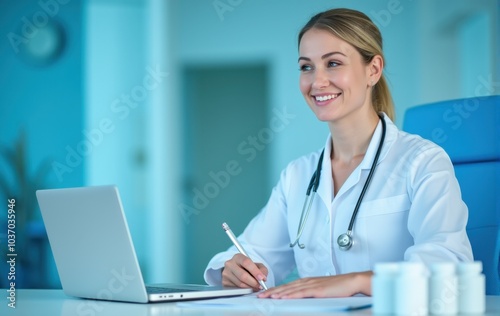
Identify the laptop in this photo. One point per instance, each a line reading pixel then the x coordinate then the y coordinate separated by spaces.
pixel 94 254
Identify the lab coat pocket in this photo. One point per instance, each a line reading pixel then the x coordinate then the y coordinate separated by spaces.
pixel 385 206
pixel 383 228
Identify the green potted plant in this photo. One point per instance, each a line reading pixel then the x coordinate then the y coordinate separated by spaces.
pixel 17 182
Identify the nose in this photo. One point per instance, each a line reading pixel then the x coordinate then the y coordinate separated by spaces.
pixel 320 79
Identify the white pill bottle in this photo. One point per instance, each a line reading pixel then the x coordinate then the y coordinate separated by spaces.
pixel 411 290
pixel 471 288
pixel 383 287
pixel 443 289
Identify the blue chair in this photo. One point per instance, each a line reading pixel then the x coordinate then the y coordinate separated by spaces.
pixel 469 131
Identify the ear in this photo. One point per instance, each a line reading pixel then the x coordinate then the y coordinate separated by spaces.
pixel 374 70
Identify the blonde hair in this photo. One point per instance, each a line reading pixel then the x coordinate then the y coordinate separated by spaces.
pixel 357 29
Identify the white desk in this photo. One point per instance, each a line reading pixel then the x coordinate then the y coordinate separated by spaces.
pixel 55 302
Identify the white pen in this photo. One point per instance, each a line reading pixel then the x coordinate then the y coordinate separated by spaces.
pixel 237 244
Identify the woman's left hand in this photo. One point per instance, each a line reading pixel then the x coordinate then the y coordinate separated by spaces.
pixel 332 286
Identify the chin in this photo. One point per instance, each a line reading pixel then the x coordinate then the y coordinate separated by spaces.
pixel 325 118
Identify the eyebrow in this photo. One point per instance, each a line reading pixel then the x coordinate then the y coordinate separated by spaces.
pixel 322 57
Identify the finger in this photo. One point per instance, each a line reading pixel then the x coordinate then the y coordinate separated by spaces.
pixel 271 293
pixel 263 269
pixel 230 279
pixel 253 271
pixel 274 292
pixel 297 289
pixel 298 292
pixel 230 275
pixel 235 272
pixel 309 287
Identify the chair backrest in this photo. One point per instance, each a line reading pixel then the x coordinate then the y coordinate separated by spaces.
pixel 469 131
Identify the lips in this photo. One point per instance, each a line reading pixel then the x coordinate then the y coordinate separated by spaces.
pixel 326 97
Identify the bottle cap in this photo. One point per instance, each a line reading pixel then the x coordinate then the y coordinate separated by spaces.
pixel 412 268
pixel 475 267
pixel 443 268
pixel 386 268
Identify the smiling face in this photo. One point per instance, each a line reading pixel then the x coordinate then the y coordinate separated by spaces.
pixel 334 80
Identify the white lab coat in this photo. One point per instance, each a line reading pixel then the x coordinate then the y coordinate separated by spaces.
pixel 412 211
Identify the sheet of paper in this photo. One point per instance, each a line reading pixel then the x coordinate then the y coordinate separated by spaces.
pixel 250 301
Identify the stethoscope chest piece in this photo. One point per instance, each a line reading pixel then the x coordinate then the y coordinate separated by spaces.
pixel 345 241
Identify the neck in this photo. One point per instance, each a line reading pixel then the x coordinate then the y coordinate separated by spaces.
pixel 351 137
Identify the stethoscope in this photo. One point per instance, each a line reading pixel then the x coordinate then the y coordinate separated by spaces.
pixel 344 240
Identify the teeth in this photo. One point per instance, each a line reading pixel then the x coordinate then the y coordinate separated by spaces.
pixel 326 97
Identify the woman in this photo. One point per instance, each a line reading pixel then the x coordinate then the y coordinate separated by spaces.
pixel 410 209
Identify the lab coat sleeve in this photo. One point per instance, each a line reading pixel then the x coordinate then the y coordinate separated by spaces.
pixel 438 215
pixel 265 239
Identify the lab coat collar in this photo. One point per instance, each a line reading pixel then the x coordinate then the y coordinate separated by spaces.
pixel 390 136
pixel 325 189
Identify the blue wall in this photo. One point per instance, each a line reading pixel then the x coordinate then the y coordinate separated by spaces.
pixel 42 98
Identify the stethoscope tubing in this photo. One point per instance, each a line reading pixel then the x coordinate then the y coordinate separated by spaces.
pixel 314 184
pixel 369 178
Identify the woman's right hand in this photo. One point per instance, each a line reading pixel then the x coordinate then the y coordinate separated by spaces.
pixel 240 271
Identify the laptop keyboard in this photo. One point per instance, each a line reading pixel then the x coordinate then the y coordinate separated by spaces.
pixel 159 289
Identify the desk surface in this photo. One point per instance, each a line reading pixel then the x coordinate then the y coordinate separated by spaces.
pixel 55 302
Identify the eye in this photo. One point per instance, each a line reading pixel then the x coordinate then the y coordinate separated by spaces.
pixel 333 64
pixel 305 67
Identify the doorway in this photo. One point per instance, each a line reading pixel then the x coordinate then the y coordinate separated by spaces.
pixel 224 107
